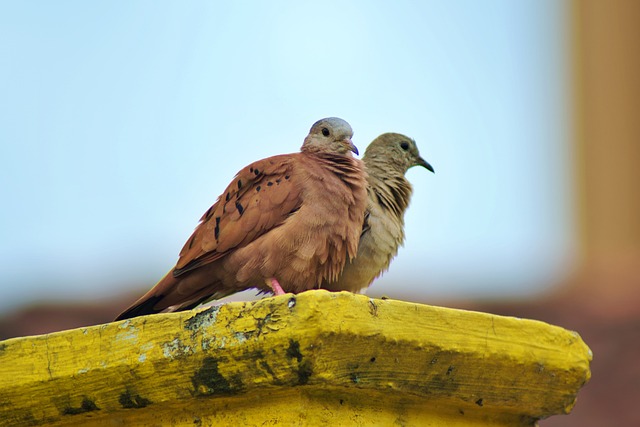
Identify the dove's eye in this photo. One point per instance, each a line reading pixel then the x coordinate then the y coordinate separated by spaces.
pixel 404 146
pixel 325 132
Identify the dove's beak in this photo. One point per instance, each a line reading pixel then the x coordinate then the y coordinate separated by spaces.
pixel 351 146
pixel 422 162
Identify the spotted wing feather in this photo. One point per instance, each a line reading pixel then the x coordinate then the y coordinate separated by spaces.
pixel 259 198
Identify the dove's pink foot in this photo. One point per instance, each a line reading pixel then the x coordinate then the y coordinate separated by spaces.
pixel 275 286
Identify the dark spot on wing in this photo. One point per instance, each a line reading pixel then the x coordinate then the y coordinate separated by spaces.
pixel 240 208
pixel 216 231
pixel 209 212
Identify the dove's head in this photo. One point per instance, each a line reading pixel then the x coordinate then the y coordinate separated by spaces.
pixel 395 150
pixel 330 135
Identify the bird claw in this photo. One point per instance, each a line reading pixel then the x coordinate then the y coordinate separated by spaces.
pixel 275 286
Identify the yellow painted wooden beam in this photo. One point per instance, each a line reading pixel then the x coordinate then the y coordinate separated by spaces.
pixel 315 358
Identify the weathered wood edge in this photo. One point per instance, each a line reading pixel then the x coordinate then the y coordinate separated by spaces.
pixel 474 361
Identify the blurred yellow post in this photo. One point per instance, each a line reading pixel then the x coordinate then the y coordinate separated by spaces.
pixel 317 358
pixel 606 69
pixel 606 107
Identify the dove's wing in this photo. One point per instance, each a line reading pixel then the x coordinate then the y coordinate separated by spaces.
pixel 261 197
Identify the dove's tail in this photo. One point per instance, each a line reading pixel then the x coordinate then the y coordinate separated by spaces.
pixel 149 302
pixel 180 293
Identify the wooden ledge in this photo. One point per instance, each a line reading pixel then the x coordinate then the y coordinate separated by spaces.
pixel 313 358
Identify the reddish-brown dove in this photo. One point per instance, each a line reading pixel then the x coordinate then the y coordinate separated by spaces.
pixel 284 224
pixel 387 159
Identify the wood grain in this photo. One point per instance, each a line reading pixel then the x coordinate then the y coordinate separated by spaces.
pixel 296 359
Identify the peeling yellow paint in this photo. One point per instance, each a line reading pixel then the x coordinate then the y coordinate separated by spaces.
pixel 314 358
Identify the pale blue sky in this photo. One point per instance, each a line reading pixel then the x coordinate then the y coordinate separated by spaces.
pixel 121 122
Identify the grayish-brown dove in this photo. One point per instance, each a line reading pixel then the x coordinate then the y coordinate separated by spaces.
pixel 285 224
pixel 387 159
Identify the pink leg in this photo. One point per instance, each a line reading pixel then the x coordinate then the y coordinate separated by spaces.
pixel 275 286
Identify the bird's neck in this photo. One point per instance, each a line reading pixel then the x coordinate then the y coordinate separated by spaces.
pixel 343 165
pixel 390 188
